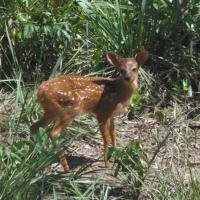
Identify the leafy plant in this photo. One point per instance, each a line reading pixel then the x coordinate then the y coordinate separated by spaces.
pixel 132 161
pixel 118 25
pixel 42 39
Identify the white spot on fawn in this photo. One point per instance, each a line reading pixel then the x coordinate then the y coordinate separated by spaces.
pixel 77 108
pixel 82 97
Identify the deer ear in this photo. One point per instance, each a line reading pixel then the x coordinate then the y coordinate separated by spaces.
pixel 113 58
pixel 141 57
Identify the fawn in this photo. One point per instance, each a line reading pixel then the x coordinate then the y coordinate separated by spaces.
pixel 65 97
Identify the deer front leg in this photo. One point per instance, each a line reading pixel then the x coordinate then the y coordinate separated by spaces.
pixel 105 129
pixel 112 133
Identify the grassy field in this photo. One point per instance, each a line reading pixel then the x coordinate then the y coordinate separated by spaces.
pixel 158 138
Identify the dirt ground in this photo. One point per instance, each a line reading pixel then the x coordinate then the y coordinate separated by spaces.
pixel 173 144
pixel 178 151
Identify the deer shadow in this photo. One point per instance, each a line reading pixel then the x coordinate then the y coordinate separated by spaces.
pixel 79 161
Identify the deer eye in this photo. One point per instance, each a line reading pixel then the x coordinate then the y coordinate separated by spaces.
pixel 134 69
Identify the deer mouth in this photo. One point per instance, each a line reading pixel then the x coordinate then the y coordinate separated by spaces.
pixel 127 76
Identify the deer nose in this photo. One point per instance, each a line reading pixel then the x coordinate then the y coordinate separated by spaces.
pixel 127 76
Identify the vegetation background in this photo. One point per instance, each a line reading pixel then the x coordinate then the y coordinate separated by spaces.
pixel 40 39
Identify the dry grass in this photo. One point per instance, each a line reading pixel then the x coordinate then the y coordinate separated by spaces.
pixel 170 144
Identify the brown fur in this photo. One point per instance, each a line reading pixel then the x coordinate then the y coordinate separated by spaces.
pixel 65 97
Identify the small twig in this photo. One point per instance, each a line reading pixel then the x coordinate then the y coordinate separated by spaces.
pixel 160 145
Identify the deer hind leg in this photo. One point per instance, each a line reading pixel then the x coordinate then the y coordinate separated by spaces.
pixel 63 120
pixel 50 110
pixel 43 122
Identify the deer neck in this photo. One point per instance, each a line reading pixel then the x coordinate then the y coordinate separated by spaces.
pixel 128 87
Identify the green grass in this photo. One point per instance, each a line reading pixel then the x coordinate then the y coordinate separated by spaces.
pixel 27 173
pixel 49 38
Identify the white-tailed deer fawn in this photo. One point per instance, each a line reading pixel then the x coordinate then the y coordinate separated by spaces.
pixel 65 97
